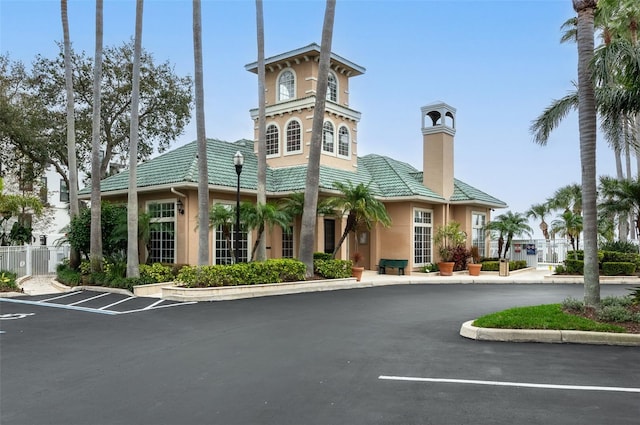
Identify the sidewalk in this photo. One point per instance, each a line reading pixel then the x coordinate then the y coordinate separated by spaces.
pixel 38 285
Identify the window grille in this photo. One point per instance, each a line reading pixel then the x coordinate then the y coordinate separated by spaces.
pixel 327 137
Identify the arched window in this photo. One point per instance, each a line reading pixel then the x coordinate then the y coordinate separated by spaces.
pixel 327 137
pixel 343 141
pixel 272 143
pixel 332 88
pixel 293 137
pixel 286 86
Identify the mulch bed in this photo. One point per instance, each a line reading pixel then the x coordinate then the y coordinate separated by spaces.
pixel 590 313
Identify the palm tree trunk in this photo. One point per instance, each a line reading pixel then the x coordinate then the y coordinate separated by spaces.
pixel 257 243
pixel 133 256
pixel 261 254
pixel 74 207
pixel 96 208
pixel 309 216
pixel 203 173
pixel 587 124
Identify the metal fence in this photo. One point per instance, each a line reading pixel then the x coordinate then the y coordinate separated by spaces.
pixel 30 260
pixel 536 251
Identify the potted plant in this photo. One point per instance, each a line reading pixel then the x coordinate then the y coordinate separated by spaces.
pixel 356 269
pixel 450 240
pixel 474 265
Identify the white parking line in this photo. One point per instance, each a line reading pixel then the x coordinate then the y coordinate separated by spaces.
pixel 68 294
pixel 116 303
pixel 511 384
pixel 89 299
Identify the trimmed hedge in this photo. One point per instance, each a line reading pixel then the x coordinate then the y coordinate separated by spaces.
pixel 618 269
pixel 333 269
pixel 494 266
pixel 269 271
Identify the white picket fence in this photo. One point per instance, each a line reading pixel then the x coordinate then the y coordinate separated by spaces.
pixel 28 260
pixel 536 252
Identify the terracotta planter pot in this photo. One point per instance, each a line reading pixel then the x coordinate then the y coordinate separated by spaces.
pixel 357 272
pixel 446 268
pixel 474 269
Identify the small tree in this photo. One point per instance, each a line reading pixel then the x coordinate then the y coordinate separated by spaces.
pixel 449 238
pixel 509 224
pixel 259 216
pixel 362 208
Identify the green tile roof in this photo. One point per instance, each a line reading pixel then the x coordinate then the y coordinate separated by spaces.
pixel 387 177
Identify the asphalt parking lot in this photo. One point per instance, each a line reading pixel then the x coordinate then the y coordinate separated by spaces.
pixel 96 302
pixel 383 355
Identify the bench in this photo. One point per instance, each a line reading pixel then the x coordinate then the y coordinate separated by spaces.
pixel 396 264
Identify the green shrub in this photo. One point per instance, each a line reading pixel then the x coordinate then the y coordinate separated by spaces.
pixel 517 265
pixel 322 256
pixel 620 246
pixel 635 295
pixel 618 269
pixel 156 272
pixel 67 275
pixel 333 269
pixel 8 281
pixel 490 266
pixel 429 267
pixel 612 300
pixel 269 271
pixel 574 266
pixel 573 304
pixel 614 313
pixel 560 269
pixel 618 257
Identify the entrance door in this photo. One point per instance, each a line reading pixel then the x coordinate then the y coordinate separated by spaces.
pixel 329 235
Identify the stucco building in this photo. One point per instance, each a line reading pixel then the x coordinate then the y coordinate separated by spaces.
pixel 417 200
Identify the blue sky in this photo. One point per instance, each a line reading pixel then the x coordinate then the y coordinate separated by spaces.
pixel 499 63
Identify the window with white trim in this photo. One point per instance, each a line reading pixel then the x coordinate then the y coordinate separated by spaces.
pixel 478 222
pixel 162 233
pixel 343 141
pixel 272 140
pixel 294 133
pixel 422 231
pixel 286 86
pixel 332 88
pixel 225 242
pixel 327 137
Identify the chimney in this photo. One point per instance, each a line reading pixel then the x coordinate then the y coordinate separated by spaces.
pixel 438 129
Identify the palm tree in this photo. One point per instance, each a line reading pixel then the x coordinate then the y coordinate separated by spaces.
pixel 621 197
pixel 203 173
pixel 133 257
pixel 509 224
pixel 539 211
pixel 363 210
pixel 568 198
pixel 223 216
pixel 261 253
pixel 309 217
pixel 259 216
pixel 569 225
pixel 74 206
pixel 96 209
pixel 587 118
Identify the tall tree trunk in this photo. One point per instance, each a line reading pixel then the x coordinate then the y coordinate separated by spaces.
pixel 133 259
pixel 203 173
pixel 261 252
pixel 587 125
pixel 74 206
pixel 96 208
pixel 309 216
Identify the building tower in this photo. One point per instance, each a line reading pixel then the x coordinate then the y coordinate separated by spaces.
pixel 290 84
pixel 438 131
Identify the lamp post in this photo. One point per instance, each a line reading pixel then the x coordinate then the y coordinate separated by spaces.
pixel 238 161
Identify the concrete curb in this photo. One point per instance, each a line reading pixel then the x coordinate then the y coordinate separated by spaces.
pixel 467 330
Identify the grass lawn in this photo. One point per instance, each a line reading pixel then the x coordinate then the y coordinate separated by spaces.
pixel 549 316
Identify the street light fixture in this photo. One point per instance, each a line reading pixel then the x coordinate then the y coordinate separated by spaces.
pixel 238 161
